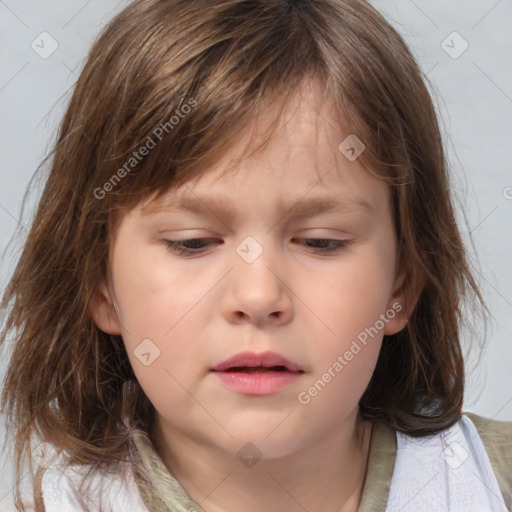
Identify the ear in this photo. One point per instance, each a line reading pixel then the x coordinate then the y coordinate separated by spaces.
pixel 103 312
pixel 407 289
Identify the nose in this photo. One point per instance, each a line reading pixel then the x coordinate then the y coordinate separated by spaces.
pixel 258 292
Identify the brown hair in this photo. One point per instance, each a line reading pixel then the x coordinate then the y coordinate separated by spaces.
pixel 71 383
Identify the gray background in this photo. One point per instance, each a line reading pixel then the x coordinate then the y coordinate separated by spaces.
pixel 473 94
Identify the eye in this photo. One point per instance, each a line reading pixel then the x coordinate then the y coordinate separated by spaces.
pixel 197 245
pixel 187 247
pixel 324 245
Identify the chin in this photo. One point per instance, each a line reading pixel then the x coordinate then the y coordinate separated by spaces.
pixel 257 439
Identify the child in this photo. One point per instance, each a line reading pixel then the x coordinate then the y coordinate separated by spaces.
pixel 244 283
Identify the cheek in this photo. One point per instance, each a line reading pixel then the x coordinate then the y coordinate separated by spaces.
pixel 352 298
pixel 344 365
pixel 352 301
pixel 333 391
pixel 159 313
pixel 154 297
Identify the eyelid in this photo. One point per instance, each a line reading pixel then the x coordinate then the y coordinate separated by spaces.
pixel 177 246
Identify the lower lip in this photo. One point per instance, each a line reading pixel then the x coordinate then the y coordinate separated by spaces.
pixel 262 383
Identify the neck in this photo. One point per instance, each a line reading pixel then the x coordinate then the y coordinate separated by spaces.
pixel 326 475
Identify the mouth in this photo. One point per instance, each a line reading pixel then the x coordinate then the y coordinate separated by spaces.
pixel 251 362
pixel 257 374
pixel 259 369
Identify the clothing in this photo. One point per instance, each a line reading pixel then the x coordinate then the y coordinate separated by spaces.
pixel 450 471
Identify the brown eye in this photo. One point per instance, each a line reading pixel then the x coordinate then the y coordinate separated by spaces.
pixel 188 247
pixel 324 245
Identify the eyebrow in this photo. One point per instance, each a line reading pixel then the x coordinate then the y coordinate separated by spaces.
pixel 302 207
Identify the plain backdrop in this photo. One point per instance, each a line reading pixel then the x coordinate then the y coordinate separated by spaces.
pixel 464 46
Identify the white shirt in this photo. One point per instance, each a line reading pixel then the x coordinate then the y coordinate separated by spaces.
pixel 449 471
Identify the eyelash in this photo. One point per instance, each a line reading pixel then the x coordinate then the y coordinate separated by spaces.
pixel 176 246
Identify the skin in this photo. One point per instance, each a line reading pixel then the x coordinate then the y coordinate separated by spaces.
pixel 306 305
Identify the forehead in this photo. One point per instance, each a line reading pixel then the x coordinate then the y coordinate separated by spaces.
pixel 294 189
pixel 288 154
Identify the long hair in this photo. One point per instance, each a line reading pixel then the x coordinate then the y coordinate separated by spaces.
pixel 166 88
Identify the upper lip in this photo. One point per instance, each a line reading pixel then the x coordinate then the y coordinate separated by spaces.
pixel 252 360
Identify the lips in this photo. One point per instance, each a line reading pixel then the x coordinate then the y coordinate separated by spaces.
pixel 250 362
pixel 254 374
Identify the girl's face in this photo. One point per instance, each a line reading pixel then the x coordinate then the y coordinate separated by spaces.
pixel 297 257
